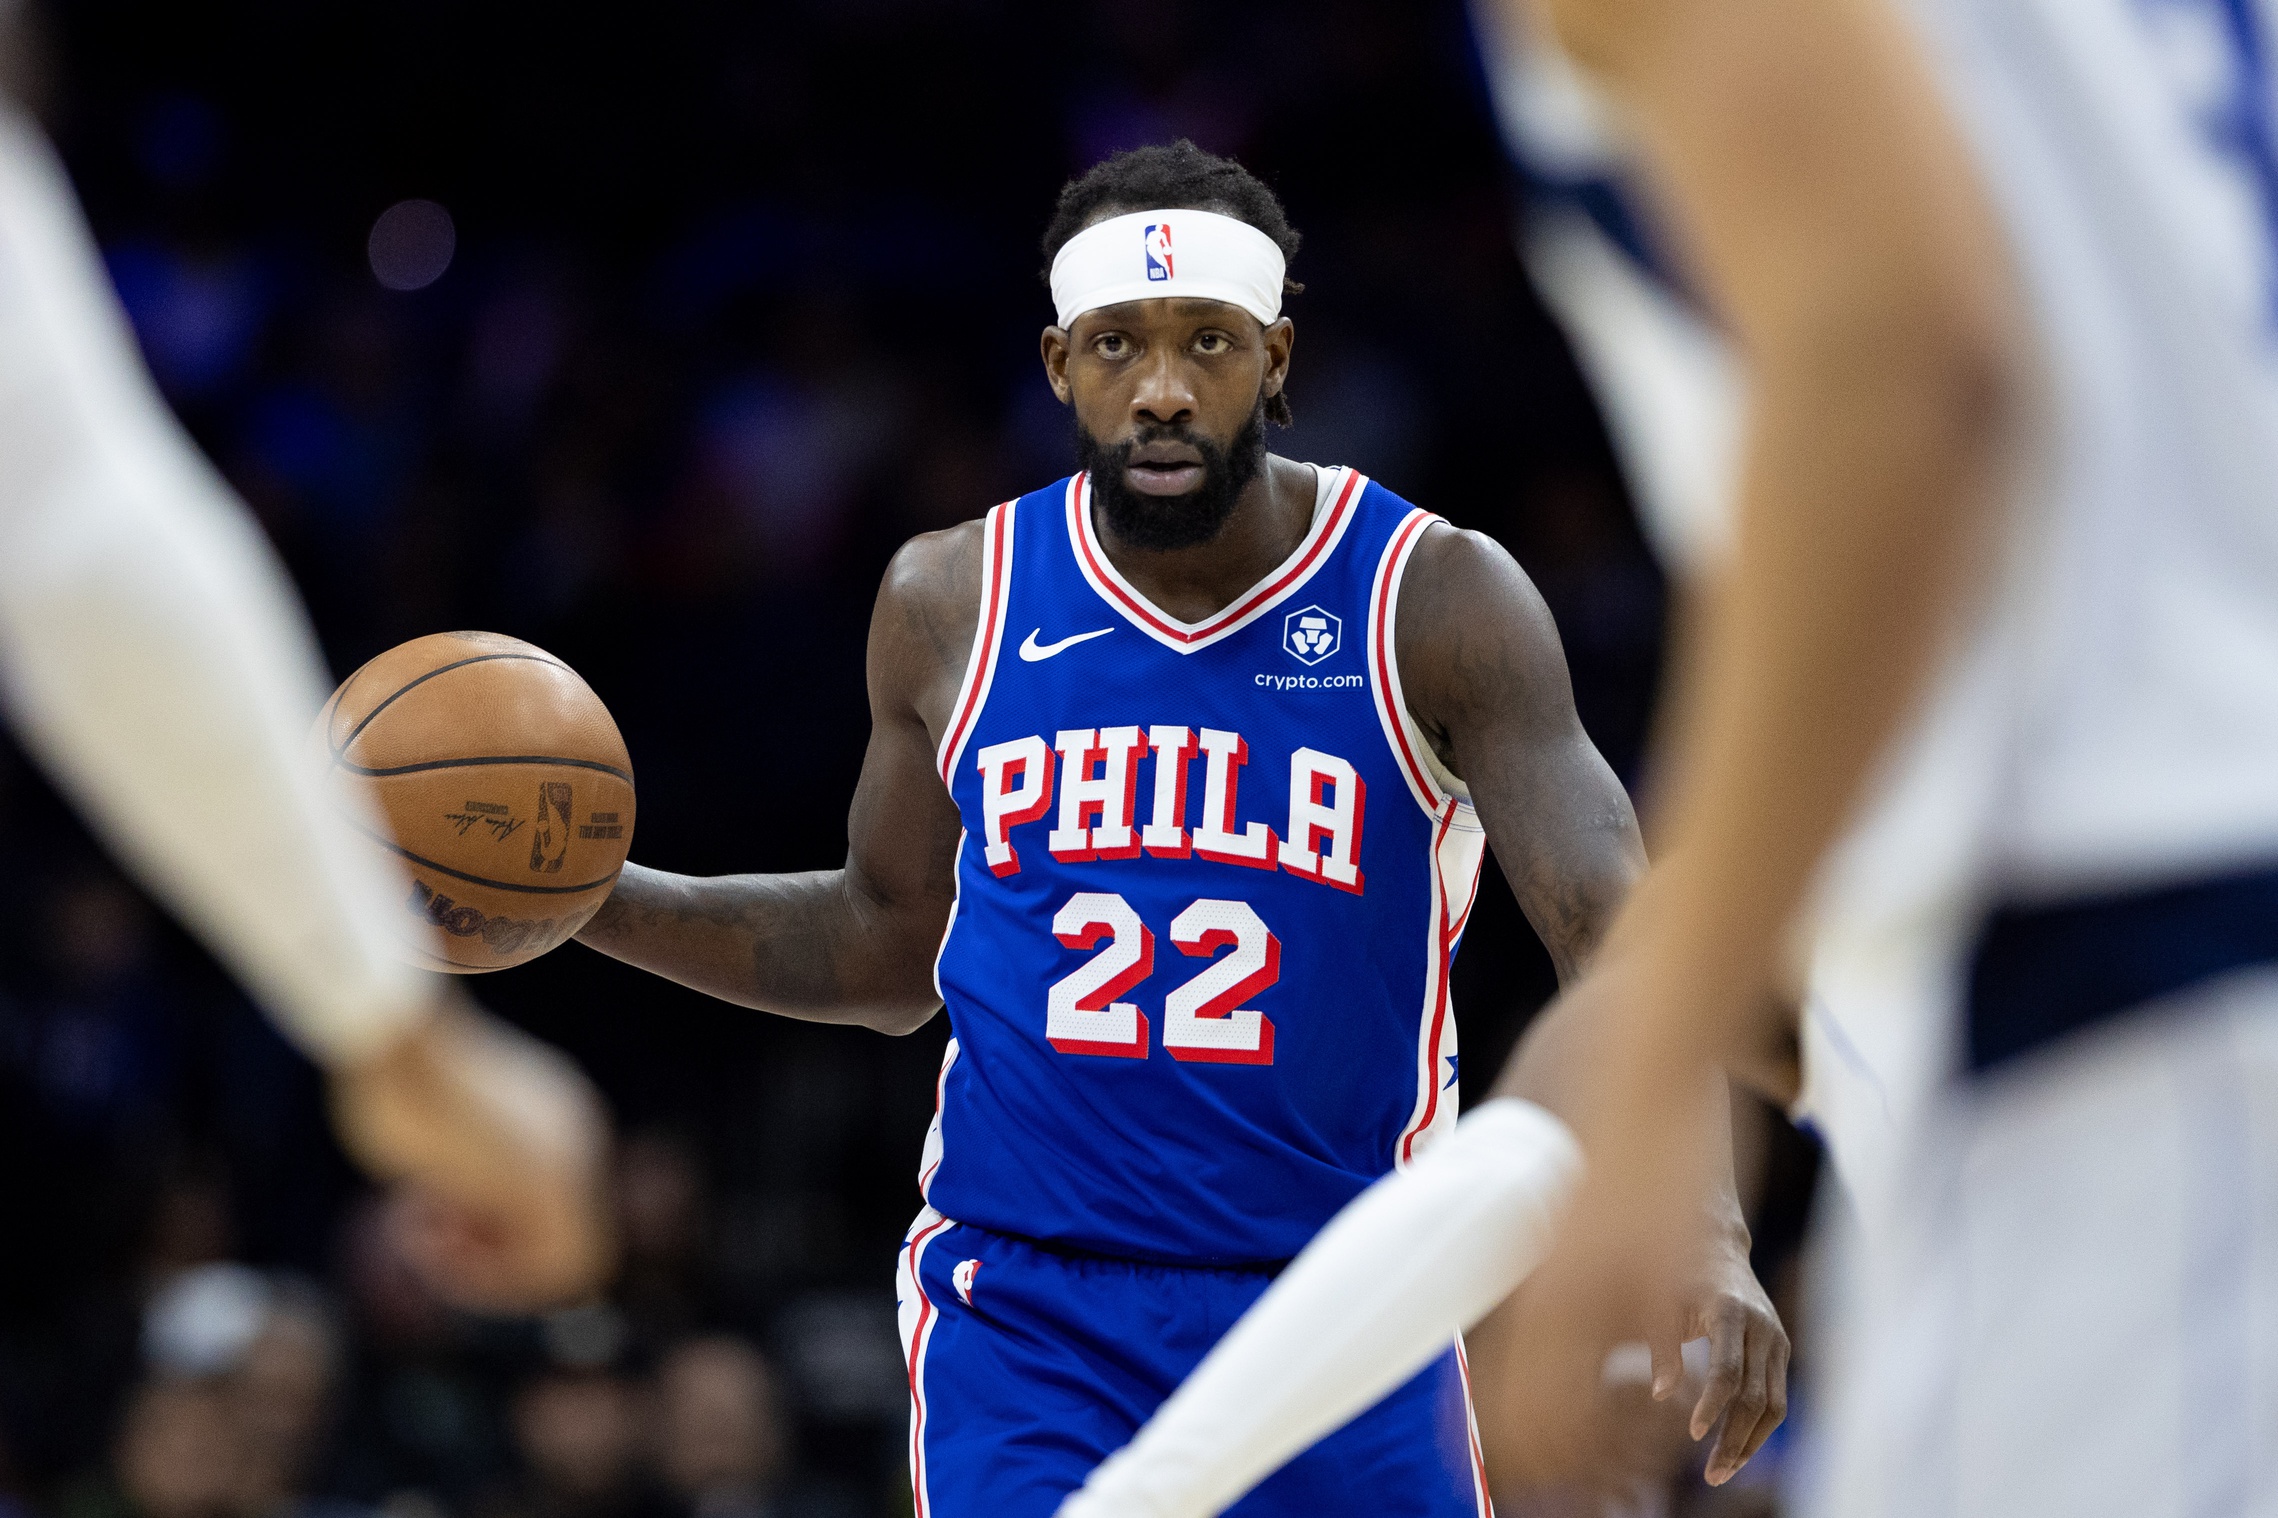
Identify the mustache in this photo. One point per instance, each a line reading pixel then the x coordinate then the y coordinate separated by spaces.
pixel 1163 432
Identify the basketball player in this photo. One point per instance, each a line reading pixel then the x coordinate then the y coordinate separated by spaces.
pixel 2060 855
pixel 1985 706
pixel 153 658
pixel 1179 780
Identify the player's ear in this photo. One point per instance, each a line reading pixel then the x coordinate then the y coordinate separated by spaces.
pixel 1280 338
pixel 1055 349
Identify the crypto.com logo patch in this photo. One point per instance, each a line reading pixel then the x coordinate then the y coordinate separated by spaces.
pixel 1312 634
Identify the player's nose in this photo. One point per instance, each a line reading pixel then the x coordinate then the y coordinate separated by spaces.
pixel 1165 392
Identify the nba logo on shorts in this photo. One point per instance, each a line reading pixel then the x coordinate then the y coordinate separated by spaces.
pixel 962 1279
pixel 1312 635
pixel 1158 246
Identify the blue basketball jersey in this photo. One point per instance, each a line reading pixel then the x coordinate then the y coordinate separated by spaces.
pixel 1208 890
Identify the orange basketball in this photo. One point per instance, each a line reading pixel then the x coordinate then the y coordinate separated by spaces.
pixel 504 786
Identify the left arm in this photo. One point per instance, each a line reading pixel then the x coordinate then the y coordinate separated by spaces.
pixel 1486 680
pixel 1485 677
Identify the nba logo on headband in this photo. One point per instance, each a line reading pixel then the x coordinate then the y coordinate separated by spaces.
pixel 1219 258
pixel 1158 248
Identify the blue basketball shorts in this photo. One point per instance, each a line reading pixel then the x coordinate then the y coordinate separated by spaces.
pixel 1028 1366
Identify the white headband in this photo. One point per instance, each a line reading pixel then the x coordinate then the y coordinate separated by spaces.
pixel 1148 255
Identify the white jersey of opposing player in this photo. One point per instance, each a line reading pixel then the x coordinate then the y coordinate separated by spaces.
pixel 2112 716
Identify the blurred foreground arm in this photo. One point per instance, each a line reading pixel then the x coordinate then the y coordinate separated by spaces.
pixel 1418 1258
pixel 153 658
pixel 1833 218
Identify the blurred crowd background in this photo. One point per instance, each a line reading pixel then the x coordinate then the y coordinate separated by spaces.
pixel 693 314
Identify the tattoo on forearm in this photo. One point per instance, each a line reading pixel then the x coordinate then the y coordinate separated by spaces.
pixel 788 942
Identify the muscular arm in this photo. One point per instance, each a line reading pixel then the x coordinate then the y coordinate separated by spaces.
pixel 1485 678
pixel 854 944
pixel 1832 216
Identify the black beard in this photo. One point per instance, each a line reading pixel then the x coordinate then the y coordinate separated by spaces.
pixel 1162 523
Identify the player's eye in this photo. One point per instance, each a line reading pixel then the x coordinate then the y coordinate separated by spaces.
pixel 1213 342
pixel 1111 345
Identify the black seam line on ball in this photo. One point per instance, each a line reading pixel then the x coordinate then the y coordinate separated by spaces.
pixel 453 764
pixel 357 731
pixel 484 880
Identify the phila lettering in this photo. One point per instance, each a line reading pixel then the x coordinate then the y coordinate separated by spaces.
pixel 1089 781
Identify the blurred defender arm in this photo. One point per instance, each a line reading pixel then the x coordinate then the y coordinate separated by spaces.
pixel 1717 1297
pixel 854 944
pixel 154 660
pixel 1833 218
pixel 1832 215
pixel 153 657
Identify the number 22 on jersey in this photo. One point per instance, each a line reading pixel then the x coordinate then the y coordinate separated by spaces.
pixel 1203 1020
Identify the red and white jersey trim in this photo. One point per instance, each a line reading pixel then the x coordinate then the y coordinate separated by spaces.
pixel 915 1317
pixel 929 1157
pixel 1341 486
pixel 1486 1503
pixel 1458 846
pixel 1400 730
pixel 988 636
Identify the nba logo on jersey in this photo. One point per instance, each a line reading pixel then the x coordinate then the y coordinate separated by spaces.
pixel 1158 247
pixel 1312 635
pixel 962 1279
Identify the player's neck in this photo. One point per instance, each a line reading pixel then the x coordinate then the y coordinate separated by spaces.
pixel 1270 518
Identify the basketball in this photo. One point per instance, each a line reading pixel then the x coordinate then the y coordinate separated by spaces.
pixel 504 787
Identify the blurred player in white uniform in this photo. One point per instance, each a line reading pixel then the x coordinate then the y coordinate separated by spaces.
pixel 1670 388
pixel 1978 731
pixel 153 657
pixel 2054 918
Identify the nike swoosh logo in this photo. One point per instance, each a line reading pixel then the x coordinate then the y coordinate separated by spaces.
pixel 1032 651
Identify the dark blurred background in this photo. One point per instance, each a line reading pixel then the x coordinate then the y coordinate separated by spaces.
pixel 720 304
